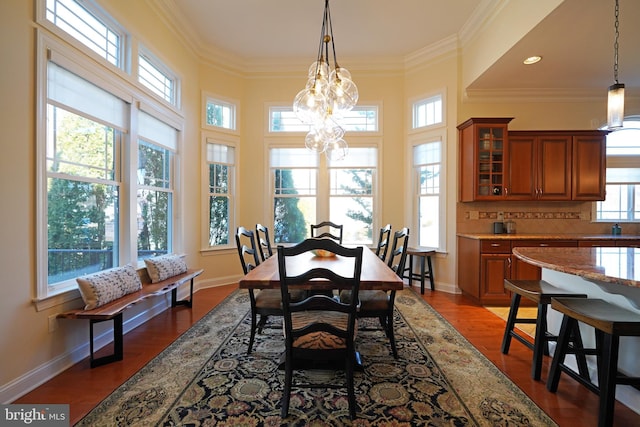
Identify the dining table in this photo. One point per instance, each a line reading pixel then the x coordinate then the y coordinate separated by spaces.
pixel 375 275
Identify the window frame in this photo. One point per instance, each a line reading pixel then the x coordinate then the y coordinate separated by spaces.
pixel 77 61
pixel 165 70
pixel 217 99
pixel 220 138
pixel 415 101
pixel 415 140
pixel 323 193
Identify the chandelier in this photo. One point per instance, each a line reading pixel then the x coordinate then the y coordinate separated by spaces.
pixel 615 104
pixel 328 94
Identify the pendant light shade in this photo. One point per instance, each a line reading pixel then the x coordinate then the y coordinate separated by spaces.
pixel 615 102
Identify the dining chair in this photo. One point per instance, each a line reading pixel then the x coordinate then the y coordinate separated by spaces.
pixel 334 231
pixel 383 242
pixel 377 303
pixel 266 302
pixel 263 241
pixel 319 329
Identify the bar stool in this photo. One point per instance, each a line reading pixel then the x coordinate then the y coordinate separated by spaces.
pixel 610 322
pixel 424 255
pixel 540 292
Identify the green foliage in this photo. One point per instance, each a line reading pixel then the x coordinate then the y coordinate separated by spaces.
pixel 289 221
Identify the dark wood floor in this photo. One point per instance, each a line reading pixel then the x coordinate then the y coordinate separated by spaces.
pixel 83 387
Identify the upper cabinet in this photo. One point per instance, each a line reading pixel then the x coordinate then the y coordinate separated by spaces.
pixel 539 166
pixel 498 164
pixel 483 153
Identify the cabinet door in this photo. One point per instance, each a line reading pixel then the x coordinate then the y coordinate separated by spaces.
pixel 521 183
pixel 589 167
pixel 553 168
pixel 495 268
pixel 628 243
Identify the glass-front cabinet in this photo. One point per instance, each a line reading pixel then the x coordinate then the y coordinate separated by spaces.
pixel 483 157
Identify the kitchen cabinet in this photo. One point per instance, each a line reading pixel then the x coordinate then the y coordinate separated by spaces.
pixel 594 243
pixel 483 153
pixel 497 164
pixel 483 264
pixel 589 165
pixel 539 166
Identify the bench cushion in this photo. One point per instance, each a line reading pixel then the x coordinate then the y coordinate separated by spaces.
pixel 165 266
pixel 105 286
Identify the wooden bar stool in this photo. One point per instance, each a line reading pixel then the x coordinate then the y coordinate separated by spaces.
pixel 541 293
pixel 610 322
pixel 424 254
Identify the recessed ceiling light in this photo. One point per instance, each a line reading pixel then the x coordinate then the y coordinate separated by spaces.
pixel 532 60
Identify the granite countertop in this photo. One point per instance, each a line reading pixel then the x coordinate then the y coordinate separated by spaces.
pixel 604 264
pixel 532 236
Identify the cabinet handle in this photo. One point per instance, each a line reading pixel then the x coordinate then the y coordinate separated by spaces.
pixel 495 245
pixel 544 245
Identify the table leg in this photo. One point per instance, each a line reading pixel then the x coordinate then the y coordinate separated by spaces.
pixel 433 288
pixel 422 274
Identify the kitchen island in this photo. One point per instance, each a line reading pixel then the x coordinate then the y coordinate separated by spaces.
pixel 608 273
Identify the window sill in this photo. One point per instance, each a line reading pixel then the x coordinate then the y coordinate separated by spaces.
pixel 46 303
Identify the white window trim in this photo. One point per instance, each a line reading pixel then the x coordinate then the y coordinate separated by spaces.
pixel 209 96
pixel 349 135
pixel 288 140
pixel 125 61
pixel 412 101
pixel 164 68
pixel 223 138
pixel 416 139
pixel 99 74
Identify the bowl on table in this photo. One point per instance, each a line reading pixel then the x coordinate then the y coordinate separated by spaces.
pixel 323 253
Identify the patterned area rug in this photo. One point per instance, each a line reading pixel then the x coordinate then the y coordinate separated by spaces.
pixel 205 378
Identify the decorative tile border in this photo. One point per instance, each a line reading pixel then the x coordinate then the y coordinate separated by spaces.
pixel 528 215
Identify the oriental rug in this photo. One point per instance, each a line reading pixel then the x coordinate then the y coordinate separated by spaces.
pixel 205 378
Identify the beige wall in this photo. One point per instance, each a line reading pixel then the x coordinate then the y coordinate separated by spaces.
pixel 29 352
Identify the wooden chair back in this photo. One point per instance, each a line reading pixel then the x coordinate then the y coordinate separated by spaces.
pixel 263 241
pixel 247 251
pixel 398 255
pixel 334 231
pixel 383 242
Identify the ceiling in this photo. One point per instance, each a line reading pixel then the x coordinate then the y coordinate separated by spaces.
pixel 575 39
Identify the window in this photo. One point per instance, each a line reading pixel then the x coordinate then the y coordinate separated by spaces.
pixel 427 161
pixel 294 172
pixel 83 140
pixel 359 119
pixel 221 172
pixel 351 194
pixel 622 202
pixel 157 77
pixel 220 114
pixel 155 186
pixel 89 25
pixel 427 112
pixel 104 198
pixel 307 190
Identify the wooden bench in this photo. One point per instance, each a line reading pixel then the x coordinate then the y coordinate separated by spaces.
pixel 114 309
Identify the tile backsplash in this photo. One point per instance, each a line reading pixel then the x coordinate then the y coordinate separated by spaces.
pixel 535 218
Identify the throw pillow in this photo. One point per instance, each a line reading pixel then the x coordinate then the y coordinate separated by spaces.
pixel 105 286
pixel 165 266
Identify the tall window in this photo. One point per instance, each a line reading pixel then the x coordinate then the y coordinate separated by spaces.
pixel 104 198
pixel 427 160
pixel 306 190
pixel 156 147
pixel 351 193
pixel 83 142
pixel 622 203
pixel 294 173
pixel 221 169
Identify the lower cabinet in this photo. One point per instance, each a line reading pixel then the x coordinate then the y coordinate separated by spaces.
pixel 483 264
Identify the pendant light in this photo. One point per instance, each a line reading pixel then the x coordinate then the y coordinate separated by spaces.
pixel 615 104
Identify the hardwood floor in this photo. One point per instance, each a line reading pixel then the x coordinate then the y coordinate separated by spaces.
pixel 83 388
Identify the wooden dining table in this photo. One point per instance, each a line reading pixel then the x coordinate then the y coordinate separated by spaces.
pixel 376 275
